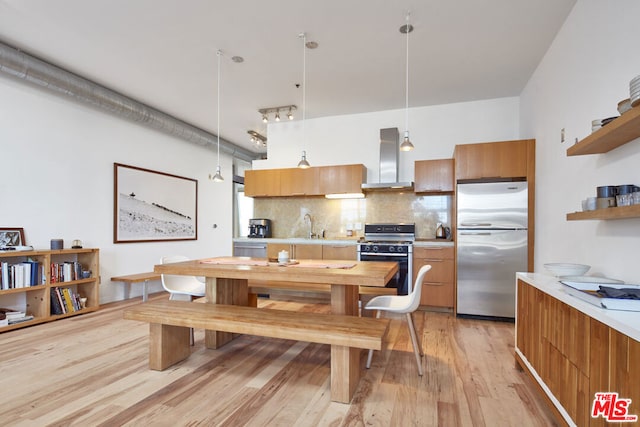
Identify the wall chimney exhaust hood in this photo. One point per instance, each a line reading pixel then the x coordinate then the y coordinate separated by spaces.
pixel 389 151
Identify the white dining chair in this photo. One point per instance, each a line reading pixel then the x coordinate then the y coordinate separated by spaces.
pixel 181 287
pixel 405 304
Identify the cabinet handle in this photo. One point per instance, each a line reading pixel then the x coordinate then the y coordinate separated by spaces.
pixel 433 283
pixel 434 260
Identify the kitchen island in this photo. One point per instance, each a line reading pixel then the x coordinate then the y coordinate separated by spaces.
pixel 573 349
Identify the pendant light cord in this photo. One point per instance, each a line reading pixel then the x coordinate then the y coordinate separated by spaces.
pixel 219 53
pixel 406 90
pixel 304 88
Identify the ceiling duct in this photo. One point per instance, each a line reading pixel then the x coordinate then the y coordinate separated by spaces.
pixel 35 71
pixel 389 150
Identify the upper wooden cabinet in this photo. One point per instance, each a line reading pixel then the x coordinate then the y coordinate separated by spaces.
pixel 299 182
pixel 342 179
pixel 313 181
pixel 505 159
pixel 434 176
pixel 262 183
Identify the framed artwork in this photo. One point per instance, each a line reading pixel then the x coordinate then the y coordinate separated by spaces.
pixel 153 206
pixel 12 237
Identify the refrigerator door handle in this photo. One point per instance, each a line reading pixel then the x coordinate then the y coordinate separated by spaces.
pixel 475 233
pixel 475 224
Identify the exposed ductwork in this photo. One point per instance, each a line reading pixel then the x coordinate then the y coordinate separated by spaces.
pixel 35 71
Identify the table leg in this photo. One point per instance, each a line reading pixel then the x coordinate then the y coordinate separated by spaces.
pixel 224 291
pixel 345 361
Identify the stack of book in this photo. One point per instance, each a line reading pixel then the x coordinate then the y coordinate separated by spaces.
pixel 66 271
pixel 64 300
pixel 12 317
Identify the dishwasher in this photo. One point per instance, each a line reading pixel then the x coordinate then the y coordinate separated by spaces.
pixel 251 249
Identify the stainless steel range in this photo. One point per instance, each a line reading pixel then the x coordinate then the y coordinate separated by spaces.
pixel 391 242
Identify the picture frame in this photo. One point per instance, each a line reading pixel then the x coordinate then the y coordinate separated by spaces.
pixel 12 236
pixel 153 206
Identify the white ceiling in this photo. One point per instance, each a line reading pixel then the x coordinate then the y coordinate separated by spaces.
pixel 163 52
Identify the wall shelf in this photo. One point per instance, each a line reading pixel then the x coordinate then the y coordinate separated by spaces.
pixel 624 129
pixel 619 212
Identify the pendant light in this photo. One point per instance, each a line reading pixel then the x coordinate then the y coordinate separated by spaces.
pixel 406 142
pixel 304 164
pixel 218 176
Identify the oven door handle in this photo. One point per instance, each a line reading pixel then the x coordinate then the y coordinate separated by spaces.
pixel 395 255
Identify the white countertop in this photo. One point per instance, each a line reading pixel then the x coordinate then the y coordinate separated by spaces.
pixel 626 322
pixel 344 241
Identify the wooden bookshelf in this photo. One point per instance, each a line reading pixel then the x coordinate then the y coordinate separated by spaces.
pixel 35 300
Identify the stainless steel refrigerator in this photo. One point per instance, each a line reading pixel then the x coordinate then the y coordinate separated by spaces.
pixel 492 246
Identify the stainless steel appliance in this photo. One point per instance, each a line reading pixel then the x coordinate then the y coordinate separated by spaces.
pixel 259 228
pixel 492 246
pixel 251 249
pixel 391 242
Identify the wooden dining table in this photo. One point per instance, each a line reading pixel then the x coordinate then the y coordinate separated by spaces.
pixel 227 283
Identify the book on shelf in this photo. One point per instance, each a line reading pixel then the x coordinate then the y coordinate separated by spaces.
pixel 56 307
pixel 20 275
pixel 14 316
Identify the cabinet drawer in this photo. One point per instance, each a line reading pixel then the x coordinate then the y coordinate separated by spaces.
pixel 437 294
pixel 441 270
pixel 434 252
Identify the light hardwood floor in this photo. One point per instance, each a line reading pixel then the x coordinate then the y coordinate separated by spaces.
pixel 91 370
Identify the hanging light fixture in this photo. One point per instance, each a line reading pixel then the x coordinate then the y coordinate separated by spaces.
pixel 303 163
pixel 290 114
pixel 278 116
pixel 218 176
pixel 406 142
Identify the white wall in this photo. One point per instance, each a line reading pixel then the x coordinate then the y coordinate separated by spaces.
pixel 435 130
pixel 583 76
pixel 57 181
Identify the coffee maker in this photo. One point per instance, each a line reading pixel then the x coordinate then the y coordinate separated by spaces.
pixel 259 228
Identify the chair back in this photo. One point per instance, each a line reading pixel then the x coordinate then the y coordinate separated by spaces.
pixel 416 292
pixel 175 283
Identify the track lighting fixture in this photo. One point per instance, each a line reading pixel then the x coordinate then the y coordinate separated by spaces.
pixel 276 111
pixel 258 138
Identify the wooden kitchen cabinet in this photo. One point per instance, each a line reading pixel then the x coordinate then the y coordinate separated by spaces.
pixel 491 160
pixel 434 176
pixel 299 182
pixel 296 250
pixel 574 355
pixel 262 183
pixel 314 181
pixel 342 179
pixel 438 284
pixel 341 252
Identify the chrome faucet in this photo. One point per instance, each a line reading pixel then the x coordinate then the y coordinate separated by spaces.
pixel 310 234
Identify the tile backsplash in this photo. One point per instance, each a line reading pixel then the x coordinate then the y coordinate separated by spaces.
pixel 335 216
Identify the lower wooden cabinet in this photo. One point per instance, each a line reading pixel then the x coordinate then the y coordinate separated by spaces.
pixel 438 285
pixel 342 252
pixel 296 251
pixel 575 355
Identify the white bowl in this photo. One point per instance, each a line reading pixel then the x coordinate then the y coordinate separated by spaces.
pixel 560 269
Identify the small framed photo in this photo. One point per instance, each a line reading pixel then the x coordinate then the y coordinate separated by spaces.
pixel 12 237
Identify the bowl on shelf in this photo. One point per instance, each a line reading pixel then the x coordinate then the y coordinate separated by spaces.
pixel 562 269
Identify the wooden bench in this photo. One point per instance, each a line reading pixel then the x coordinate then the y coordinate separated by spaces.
pixel 170 322
pixel 316 291
pixel 137 278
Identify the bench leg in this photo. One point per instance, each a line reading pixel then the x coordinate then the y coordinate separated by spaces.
pixel 168 345
pixel 145 291
pixel 345 372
